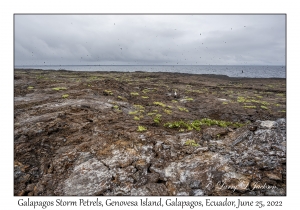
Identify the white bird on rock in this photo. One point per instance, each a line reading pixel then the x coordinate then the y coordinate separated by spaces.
pixel 176 95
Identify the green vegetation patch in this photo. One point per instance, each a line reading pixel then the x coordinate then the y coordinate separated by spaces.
pixel 136 118
pixel 59 88
pixel 191 142
pixel 30 88
pixel 93 78
pixel 264 107
pixel 280 94
pixel 157 118
pixel 139 110
pixel 141 128
pixel 122 98
pixel 140 107
pixel 133 113
pixel 241 99
pixel 196 124
pixel 159 104
pixel 167 111
pixel 182 109
pixel 108 92
pixel 145 91
pixel 134 94
pixel 264 103
pixel 189 99
pixel 196 91
pixel 65 96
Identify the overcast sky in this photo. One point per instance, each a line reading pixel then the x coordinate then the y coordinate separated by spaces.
pixel 149 39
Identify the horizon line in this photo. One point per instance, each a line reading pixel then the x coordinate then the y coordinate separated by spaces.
pixel 151 65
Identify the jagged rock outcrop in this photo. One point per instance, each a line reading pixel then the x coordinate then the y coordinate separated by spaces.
pixel 247 161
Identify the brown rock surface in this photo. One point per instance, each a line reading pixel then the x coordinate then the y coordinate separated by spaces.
pixel 88 143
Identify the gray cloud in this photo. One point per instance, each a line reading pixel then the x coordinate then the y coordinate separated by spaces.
pixel 150 39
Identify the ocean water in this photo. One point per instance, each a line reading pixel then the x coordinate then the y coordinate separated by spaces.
pixel 231 71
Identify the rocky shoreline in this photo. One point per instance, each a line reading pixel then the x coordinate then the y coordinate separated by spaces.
pixel 148 134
